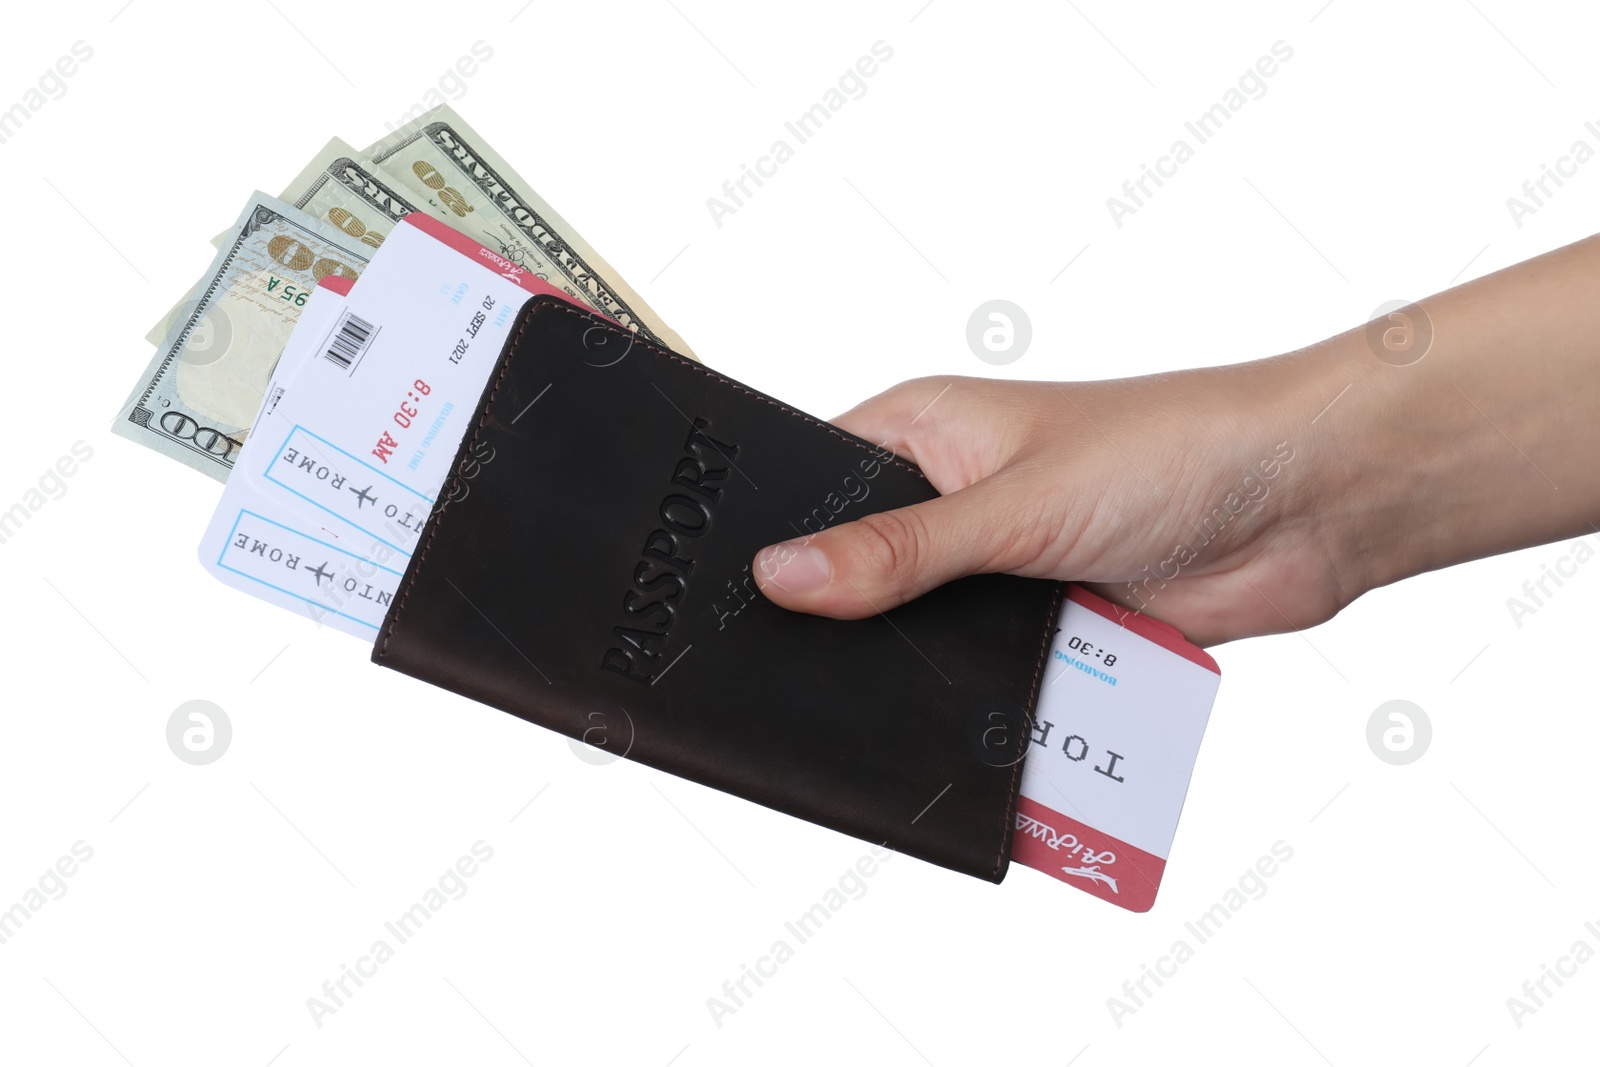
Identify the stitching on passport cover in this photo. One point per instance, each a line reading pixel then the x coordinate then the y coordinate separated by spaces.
pixel 1008 827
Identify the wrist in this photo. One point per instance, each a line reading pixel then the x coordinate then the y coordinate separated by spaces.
pixel 1358 502
pixel 1407 471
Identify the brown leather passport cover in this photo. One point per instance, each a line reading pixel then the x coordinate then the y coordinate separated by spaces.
pixel 588 570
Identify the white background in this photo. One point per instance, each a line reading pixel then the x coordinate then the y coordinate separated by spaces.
pixel 220 898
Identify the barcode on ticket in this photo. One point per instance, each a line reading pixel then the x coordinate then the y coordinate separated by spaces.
pixel 351 338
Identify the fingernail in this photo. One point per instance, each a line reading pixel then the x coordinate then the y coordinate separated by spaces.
pixel 795 566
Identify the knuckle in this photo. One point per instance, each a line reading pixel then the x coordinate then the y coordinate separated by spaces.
pixel 892 543
pixel 912 395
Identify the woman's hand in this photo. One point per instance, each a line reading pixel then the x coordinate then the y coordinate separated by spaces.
pixel 1248 499
pixel 1181 495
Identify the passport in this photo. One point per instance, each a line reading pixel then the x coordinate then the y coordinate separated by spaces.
pixel 608 497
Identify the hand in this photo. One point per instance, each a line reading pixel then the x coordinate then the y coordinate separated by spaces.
pixel 1184 496
pixel 1249 499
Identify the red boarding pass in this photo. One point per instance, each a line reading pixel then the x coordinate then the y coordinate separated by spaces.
pixel 1122 708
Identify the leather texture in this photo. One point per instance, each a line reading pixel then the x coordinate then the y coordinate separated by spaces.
pixel 588 569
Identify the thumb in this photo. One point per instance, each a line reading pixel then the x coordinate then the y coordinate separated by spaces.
pixel 880 561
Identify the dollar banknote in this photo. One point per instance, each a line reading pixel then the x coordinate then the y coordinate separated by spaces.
pixel 215 349
pixel 197 398
pixel 449 171
pixel 335 189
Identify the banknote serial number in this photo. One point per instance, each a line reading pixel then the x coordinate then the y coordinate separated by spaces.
pixel 292 294
pixel 403 415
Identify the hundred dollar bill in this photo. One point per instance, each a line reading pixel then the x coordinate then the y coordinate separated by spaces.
pixel 449 171
pixel 334 189
pixel 197 398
